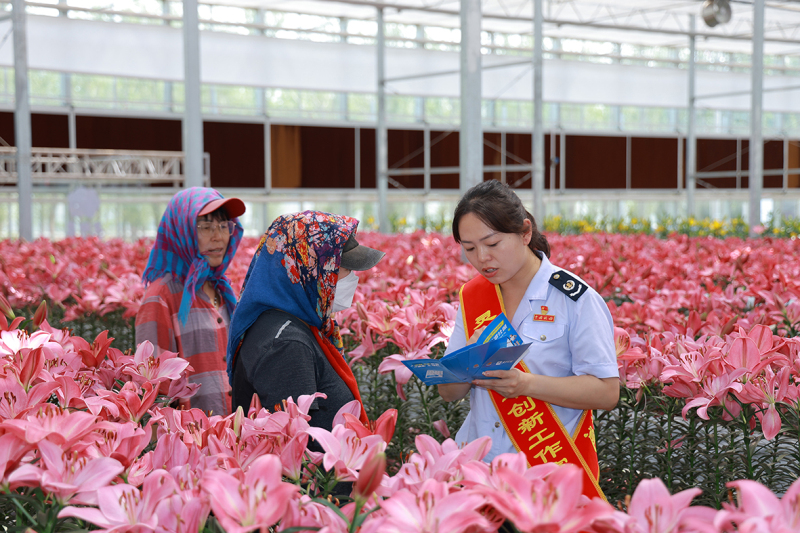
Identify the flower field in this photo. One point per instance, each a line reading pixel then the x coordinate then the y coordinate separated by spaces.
pixel 709 413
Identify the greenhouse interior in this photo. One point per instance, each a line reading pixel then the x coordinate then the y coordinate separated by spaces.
pixel 398 266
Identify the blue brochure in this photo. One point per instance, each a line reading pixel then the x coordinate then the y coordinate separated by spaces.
pixel 498 348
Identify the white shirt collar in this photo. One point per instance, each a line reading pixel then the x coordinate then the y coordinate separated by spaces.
pixel 537 290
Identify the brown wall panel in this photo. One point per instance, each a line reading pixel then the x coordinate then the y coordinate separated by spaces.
pixel 49 131
pixel 773 159
pixel 518 147
pixel 368 161
pixel 286 158
pixel 794 162
pixel 716 155
pixel 444 153
pixel 491 154
pixel 7 128
pixel 119 133
pixel 236 152
pixel 402 144
pixel 654 163
pixel 444 181
pixel 595 162
pixel 328 157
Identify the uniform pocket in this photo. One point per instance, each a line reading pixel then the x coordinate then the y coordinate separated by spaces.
pixel 543 332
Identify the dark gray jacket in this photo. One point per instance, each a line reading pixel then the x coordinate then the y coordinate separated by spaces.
pixel 280 357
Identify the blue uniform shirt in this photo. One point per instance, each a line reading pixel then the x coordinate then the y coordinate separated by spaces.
pixel 579 341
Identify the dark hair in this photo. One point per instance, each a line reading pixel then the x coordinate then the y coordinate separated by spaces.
pixel 501 209
pixel 220 215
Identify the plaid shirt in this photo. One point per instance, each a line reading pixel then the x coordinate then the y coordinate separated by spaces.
pixel 203 340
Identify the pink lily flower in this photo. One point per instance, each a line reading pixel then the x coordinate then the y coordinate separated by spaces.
pixel 345 452
pixel 148 367
pixel 257 501
pixel 554 503
pixel 434 509
pixel 715 390
pixel 653 510
pixel 70 476
pixel 15 402
pixel 383 426
pixel 126 508
pixel 12 450
pixel 176 515
pixel 56 425
pixel 760 511
pixel 304 513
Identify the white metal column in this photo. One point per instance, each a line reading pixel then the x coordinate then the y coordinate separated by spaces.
pixel 756 174
pixel 22 122
pixel 691 137
pixel 537 148
pixel 470 140
pixel 381 133
pixel 192 114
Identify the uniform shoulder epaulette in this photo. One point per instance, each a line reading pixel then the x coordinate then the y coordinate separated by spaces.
pixel 573 287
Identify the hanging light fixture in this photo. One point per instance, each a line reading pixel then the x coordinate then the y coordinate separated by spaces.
pixel 716 12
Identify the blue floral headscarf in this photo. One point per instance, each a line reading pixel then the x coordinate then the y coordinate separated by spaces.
pixel 297 274
pixel 176 250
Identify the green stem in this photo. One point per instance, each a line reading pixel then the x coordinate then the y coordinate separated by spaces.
pixel 24 512
pixel 633 439
pixel 424 401
pixel 669 414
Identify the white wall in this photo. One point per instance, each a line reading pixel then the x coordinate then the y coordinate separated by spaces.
pixel 154 51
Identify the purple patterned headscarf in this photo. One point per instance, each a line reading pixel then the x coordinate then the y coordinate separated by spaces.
pixel 176 250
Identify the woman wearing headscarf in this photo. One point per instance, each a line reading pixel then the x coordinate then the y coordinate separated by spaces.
pixel 189 300
pixel 284 341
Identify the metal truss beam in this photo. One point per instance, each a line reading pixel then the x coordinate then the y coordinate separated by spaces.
pixel 63 165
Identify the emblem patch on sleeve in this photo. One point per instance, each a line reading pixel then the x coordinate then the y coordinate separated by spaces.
pixel 568 284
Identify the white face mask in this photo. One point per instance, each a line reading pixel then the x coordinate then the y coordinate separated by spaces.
pixel 345 290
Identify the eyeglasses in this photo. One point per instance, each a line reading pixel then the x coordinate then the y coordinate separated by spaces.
pixel 209 228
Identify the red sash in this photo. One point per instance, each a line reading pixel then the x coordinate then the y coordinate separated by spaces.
pixel 531 424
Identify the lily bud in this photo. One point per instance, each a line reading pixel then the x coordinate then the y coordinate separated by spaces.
pixel 237 421
pixel 5 307
pixel 41 314
pixel 371 475
pixel 32 362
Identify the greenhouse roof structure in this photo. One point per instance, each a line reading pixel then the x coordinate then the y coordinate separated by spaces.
pixel 655 22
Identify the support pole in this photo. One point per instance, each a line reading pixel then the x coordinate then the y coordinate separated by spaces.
pixel 192 114
pixel 381 133
pixel 691 139
pixel 470 140
pixel 756 177
pixel 22 122
pixel 537 147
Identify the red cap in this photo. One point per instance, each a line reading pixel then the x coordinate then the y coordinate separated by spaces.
pixel 233 206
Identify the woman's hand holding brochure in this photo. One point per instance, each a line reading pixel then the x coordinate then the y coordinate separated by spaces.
pixel 498 348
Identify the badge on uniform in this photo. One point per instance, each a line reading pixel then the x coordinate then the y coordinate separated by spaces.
pixel 544 317
pixel 568 284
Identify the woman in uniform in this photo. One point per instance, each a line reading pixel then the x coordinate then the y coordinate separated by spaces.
pixel 542 407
